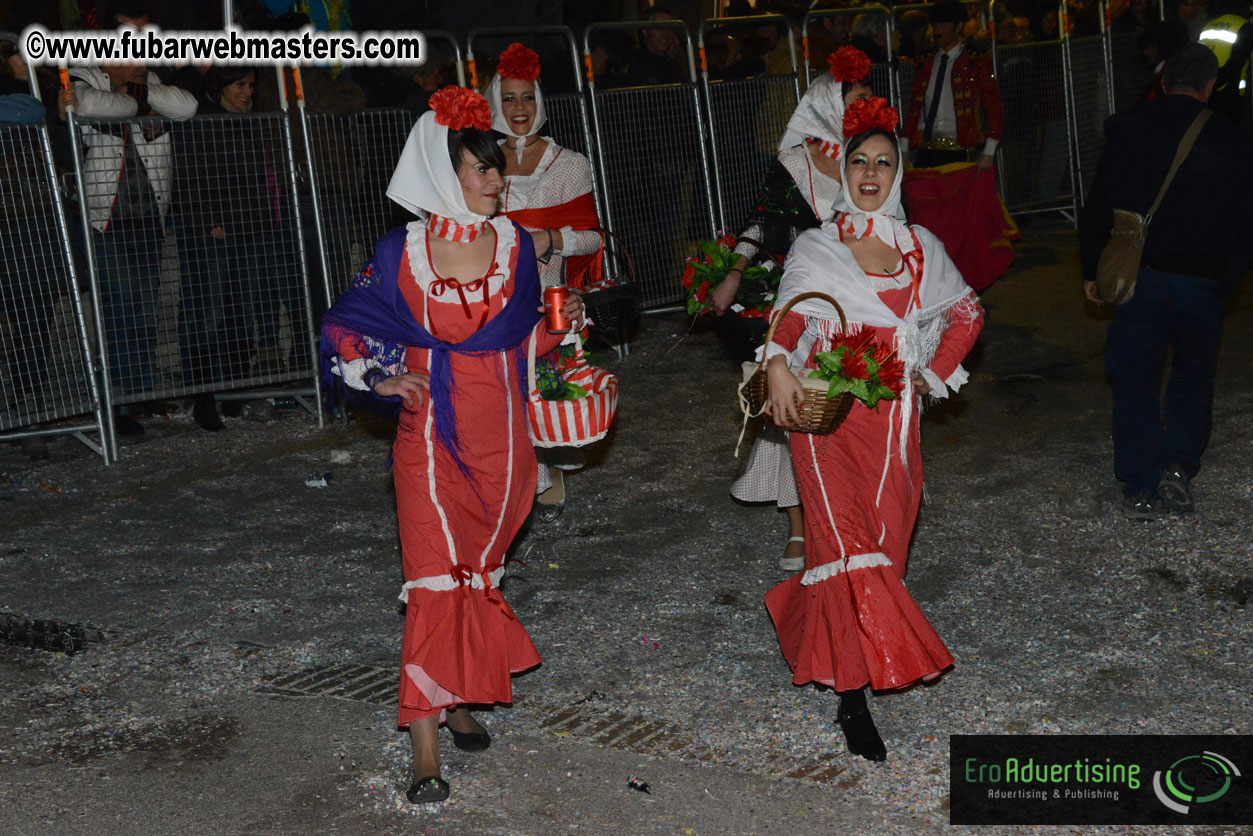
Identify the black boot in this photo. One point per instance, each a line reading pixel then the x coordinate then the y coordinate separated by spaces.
pixel 859 730
pixel 205 411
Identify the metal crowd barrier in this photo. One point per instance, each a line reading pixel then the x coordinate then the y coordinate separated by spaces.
pixel 653 163
pixel 745 118
pixel 351 159
pixel 1035 160
pixel 1089 57
pixel 46 374
pixel 196 256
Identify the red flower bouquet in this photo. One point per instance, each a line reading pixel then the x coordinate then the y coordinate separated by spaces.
pixel 848 63
pixel 518 62
pixel 869 370
pixel 460 107
pixel 866 114
pixel 705 271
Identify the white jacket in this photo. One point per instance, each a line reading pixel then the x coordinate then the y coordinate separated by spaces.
pixel 102 166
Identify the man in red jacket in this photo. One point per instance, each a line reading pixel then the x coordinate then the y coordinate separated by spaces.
pixel 955 114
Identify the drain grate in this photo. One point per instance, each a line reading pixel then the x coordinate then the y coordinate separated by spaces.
pixel 635 733
pixel 361 683
pixel 47 634
pixel 613 729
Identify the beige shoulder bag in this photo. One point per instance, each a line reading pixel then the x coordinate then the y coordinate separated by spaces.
pixel 1120 260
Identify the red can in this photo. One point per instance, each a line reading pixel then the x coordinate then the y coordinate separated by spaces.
pixel 554 300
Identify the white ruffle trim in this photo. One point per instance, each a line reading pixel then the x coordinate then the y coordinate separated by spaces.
pixel 941 388
pixel 958 378
pixel 447 583
pixel 835 567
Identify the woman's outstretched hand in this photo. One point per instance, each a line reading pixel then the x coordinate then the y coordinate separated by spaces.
pixel 412 387
pixel 785 393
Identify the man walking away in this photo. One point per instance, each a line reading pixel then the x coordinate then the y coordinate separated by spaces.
pixel 1196 252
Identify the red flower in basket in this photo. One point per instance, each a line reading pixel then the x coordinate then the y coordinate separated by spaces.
pixel 460 107
pixel 854 365
pixel 858 343
pixel 518 62
pixel 702 292
pixel 689 272
pixel 848 63
pixel 866 114
pixel 892 373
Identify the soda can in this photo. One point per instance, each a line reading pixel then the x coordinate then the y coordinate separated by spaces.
pixel 554 300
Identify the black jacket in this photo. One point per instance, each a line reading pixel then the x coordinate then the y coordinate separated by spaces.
pixel 1204 226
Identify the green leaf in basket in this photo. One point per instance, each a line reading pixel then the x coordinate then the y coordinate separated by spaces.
pixel 860 389
pixel 839 385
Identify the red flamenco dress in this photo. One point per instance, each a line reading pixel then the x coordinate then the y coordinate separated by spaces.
pixel 848 619
pixel 462 641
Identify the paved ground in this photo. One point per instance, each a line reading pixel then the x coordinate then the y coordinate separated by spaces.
pixel 243 679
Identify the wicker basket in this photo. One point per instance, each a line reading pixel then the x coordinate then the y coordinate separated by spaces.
pixel 818 413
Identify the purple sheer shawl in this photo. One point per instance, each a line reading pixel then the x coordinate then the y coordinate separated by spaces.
pixel 374 315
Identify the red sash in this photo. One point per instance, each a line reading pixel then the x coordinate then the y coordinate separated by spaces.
pixel 582 271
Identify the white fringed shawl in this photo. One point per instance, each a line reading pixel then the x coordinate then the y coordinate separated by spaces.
pixel 819 261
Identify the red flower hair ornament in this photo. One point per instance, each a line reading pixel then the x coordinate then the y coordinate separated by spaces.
pixel 866 114
pixel 518 62
pixel 460 107
pixel 848 63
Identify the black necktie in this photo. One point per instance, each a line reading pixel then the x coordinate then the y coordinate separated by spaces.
pixel 935 99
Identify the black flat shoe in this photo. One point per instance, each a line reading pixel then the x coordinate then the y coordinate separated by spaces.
pixel 428 790
pixel 471 741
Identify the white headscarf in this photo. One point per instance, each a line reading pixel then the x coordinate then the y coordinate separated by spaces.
pixel 500 123
pixel 425 181
pixel 887 223
pixel 820 114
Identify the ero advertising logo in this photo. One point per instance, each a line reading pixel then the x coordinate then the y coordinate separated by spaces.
pixel 1179 785
pixel 1095 779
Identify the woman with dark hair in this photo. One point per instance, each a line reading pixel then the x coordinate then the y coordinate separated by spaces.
pixel 800 191
pixel 237 263
pixel 548 190
pixel 438 322
pixel 847 620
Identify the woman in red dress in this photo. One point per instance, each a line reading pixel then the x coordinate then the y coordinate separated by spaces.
pixel 847 620
pixel 548 190
pixel 439 321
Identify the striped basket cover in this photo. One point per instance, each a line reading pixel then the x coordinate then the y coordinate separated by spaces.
pixel 577 422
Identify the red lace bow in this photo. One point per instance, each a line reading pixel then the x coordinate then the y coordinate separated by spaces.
pixel 463 575
pixel 460 107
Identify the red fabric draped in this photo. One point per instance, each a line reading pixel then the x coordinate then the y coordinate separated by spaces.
pixel 959 204
pixel 582 271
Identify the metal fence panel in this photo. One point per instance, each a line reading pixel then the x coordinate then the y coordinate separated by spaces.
pixel 565 122
pixel 657 185
pixel 45 374
pixel 747 119
pixel 352 159
pixel 1087 72
pixel 195 255
pixel 1035 149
